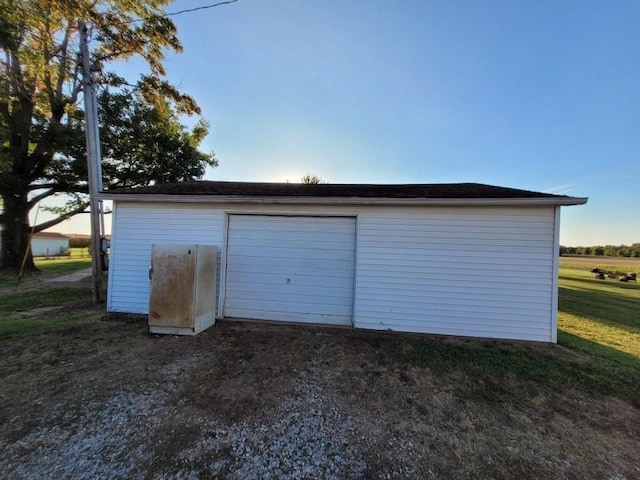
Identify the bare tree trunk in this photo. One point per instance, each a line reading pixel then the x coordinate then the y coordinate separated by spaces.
pixel 15 233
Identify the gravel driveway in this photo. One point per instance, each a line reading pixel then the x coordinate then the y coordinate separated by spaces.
pixel 257 401
pixel 119 436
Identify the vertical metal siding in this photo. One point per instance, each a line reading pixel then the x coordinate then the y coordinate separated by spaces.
pixel 136 227
pixel 481 271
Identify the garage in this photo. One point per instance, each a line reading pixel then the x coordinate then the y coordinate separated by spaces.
pixel 462 259
pixel 290 268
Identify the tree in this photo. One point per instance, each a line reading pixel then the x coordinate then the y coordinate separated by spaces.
pixel 145 143
pixel 41 153
pixel 309 179
pixel 623 251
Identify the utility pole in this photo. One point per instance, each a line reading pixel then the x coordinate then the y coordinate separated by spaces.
pixel 94 163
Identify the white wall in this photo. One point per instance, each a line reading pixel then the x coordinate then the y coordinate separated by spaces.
pixel 138 226
pixel 471 271
pixel 41 247
pixel 466 271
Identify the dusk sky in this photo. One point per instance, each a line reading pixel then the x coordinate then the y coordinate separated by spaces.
pixel 539 95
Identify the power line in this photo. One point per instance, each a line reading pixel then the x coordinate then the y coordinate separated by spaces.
pixel 204 7
pixel 170 14
pixel 179 12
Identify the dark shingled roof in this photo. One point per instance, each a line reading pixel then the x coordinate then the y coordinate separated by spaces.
pixel 255 189
pixel 49 235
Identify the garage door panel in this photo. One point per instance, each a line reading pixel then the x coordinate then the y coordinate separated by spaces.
pixel 290 268
pixel 271 233
pixel 297 317
pixel 283 224
pixel 312 295
pixel 284 266
pixel 265 254
pixel 292 304
pixel 262 281
pixel 302 239
pixel 241 245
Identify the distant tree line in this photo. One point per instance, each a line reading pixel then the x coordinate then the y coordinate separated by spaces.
pixel 79 241
pixel 607 250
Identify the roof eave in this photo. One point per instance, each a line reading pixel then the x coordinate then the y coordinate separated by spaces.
pixel 293 200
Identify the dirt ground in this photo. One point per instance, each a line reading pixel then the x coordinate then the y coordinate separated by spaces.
pixel 242 400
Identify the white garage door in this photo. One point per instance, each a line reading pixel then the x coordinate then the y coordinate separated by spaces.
pixel 297 269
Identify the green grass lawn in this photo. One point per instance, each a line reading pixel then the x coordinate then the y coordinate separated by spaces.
pixel 62 265
pixel 36 311
pixel 604 312
pixel 49 268
pixel 37 326
pixel 30 307
pixel 79 252
pixel 43 297
pixel 598 351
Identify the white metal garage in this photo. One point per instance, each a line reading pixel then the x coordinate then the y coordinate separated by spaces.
pixel 290 268
pixel 49 244
pixel 450 259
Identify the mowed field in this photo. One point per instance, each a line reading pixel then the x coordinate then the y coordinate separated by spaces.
pixel 87 398
pixel 625 263
pixel 604 311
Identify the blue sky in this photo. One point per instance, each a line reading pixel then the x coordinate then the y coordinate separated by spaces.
pixel 540 95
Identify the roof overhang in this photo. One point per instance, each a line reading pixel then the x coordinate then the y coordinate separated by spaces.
pixel 316 200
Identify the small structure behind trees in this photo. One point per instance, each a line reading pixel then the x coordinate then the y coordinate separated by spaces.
pixel 49 244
